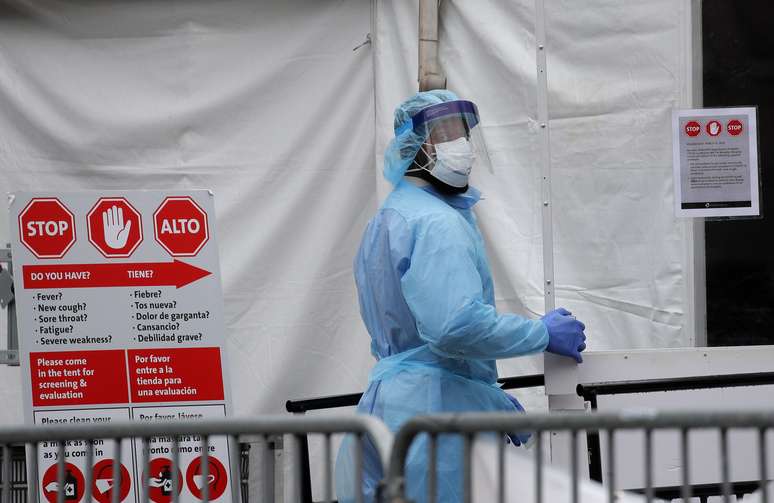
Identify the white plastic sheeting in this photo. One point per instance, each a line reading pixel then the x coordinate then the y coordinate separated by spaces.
pixel 267 104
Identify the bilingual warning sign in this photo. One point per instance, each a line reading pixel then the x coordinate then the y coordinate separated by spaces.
pixel 715 159
pixel 115 326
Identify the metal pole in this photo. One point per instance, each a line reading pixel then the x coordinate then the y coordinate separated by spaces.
pixel 88 471
pixel 235 473
pixel 328 469
pixel 467 468
pixel 359 469
pixel 762 463
pixel 574 464
pixel 115 490
pixel 685 456
pixel 205 467
pixel 33 486
pixel 501 467
pixel 6 474
pixel 649 466
pixel 145 471
pixel 539 467
pixel 611 466
pixel 545 154
pixel 176 482
pixel 432 468
pixel 724 465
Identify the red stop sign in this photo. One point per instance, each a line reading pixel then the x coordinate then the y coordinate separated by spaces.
pixel 47 228
pixel 692 128
pixel 734 127
pixel 115 227
pixel 180 226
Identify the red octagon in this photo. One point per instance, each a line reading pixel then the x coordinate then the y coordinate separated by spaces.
pixel 734 127
pixel 47 228
pixel 115 227
pixel 692 128
pixel 180 226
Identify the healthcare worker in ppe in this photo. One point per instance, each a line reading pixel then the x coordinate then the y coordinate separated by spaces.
pixel 427 298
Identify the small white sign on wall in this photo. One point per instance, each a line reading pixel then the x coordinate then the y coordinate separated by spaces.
pixel 715 159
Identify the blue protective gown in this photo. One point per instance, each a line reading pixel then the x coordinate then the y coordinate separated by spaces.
pixel 427 299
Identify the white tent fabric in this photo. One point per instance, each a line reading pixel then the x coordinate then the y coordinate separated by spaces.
pixel 268 105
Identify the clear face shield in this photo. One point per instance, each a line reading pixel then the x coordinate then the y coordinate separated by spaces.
pixel 453 144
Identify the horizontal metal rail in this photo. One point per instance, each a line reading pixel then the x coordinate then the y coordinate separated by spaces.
pixel 350 400
pixel 521 382
pixel 467 425
pixel 322 402
pixel 590 390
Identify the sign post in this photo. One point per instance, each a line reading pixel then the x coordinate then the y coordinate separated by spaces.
pixel 116 327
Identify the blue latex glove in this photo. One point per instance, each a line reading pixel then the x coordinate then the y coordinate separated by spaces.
pixel 519 438
pixel 565 334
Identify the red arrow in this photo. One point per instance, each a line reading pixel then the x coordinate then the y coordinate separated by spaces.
pixel 175 273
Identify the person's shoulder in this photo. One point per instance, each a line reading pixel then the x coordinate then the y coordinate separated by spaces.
pixel 414 204
pixel 422 214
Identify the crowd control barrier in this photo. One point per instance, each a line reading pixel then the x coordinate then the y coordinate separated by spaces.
pixel 393 451
pixel 361 427
pixel 305 405
pixel 591 391
pixel 469 426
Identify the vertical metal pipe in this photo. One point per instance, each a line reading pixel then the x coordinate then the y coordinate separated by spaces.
pixel 467 487
pixel 88 472
pixel 501 467
pixel 297 470
pixel 545 153
pixel 60 472
pixel 359 469
pixel 685 457
pixel 649 466
pixel 574 464
pixel 33 486
pixel 539 467
pixel 611 465
pixel 115 491
pixel 205 468
pixel 724 465
pixel 267 461
pixel 432 467
pixel 145 470
pixel 328 471
pixel 235 473
pixel 762 453
pixel 175 469
pixel 5 497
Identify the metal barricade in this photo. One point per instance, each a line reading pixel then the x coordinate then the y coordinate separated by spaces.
pixel 361 427
pixel 470 425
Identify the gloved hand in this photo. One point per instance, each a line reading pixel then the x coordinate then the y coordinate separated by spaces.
pixel 565 334
pixel 518 438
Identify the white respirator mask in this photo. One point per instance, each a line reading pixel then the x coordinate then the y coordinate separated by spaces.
pixel 453 162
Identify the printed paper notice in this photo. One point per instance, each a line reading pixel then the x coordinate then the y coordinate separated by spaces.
pixel 715 157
